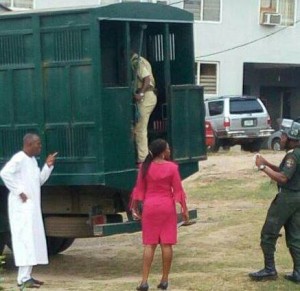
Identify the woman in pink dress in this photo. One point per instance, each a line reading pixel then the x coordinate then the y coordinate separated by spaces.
pixel 159 188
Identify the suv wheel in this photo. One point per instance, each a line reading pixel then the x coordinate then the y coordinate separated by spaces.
pixel 226 148
pixel 252 147
pixel 276 144
pixel 215 148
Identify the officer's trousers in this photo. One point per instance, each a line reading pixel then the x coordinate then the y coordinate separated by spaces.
pixel 141 133
pixel 284 212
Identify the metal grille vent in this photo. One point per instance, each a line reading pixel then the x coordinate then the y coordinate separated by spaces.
pixel 68 45
pixel 11 140
pixel 12 49
pixel 69 142
pixel 158 47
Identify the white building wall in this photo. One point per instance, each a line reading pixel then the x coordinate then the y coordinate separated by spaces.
pixel 239 38
pixel 43 4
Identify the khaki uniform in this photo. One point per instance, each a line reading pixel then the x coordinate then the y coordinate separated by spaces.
pixel 142 68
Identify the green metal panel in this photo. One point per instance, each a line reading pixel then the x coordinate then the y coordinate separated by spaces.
pixel 65 18
pixel 117 126
pixel 25 109
pixel 52 79
pixel 182 68
pixel 18 94
pixel 186 122
pixel 6 115
pixel 119 155
pixel 69 98
pixel 4 224
pixel 16 23
pixel 132 226
pixel 145 11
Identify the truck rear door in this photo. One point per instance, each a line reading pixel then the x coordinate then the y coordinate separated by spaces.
pixel 186 131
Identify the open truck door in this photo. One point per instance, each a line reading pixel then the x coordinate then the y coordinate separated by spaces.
pixel 187 130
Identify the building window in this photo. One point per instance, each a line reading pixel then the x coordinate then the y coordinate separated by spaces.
pixel 204 10
pixel 207 77
pixel 269 5
pixel 285 9
pixel 5 2
pixel 22 4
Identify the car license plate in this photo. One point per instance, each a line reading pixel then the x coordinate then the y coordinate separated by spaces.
pixel 248 122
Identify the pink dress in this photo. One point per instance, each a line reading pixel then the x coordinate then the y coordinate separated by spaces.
pixel 159 191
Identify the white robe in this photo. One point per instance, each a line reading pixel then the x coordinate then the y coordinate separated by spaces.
pixel 22 174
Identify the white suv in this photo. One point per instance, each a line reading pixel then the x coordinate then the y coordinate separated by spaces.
pixel 241 120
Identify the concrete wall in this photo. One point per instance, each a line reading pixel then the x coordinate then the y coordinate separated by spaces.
pixel 240 25
pixel 43 4
pixel 236 40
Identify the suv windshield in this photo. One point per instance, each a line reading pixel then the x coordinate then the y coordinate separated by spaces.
pixel 238 106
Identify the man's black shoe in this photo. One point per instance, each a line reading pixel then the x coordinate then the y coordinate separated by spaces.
pixel 294 277
pixel 264 275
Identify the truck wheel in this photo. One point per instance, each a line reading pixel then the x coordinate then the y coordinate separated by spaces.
pixel 2 245
pixel 58 244
pixel 5 240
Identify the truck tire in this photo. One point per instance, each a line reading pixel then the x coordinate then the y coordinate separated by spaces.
pixel 5 240
pixel 58 244
pixel 55 244
pixel 2 245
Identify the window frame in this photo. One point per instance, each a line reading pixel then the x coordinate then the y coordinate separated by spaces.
pixel 278 10
pixel 14 7
pixel 198 76
pixel 202 11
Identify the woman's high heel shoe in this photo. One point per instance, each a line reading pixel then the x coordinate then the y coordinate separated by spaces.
pixel 143 287
pixel 163 285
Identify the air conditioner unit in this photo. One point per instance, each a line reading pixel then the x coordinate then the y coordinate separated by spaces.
pixel 271 19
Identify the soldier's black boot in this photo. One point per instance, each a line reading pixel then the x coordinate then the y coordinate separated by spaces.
pixel 268 272
pixel 295 276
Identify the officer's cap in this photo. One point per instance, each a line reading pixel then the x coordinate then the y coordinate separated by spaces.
pixel 291 128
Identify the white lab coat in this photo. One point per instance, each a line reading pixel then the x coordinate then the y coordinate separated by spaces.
pixel 22 174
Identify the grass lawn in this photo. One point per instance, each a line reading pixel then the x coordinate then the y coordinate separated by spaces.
pixel 220 250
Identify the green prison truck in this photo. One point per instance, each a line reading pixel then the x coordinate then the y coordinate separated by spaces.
pixel 66 75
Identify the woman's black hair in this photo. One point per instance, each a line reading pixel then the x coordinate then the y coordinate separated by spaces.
pixel 156 147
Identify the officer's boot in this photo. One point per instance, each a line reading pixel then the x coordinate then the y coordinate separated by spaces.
pixel 268 273
pixel 295 276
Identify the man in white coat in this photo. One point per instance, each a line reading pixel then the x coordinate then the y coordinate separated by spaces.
pixel 23 178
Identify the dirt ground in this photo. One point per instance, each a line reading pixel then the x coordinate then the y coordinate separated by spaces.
pixel 113 263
